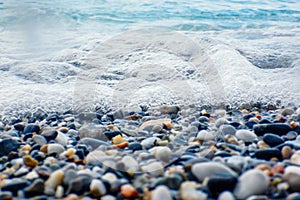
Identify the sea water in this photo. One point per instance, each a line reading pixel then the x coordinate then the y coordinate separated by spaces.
pixel 87 54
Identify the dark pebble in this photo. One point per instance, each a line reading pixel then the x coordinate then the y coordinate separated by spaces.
pixel 6 196
pixel 79 185
pixel 221 182
pixel 19 126
pixel 15 185
pixel 250 124
pixel 30 128
pixel 173 181
pixel 135 146
pixel 36 188
pixel 267 154
pixel 49 134
pixel 272 140
pixel 92 143
pixel 111 134
pixel 277 128
pixel 8 145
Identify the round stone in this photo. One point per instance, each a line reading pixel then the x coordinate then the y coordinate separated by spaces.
pixel 92 131
pixel 227 129
pixel 55 179
pixel 221 182
pixel 97 188
pixel 226 195
pixel 207 169
pixel 55 149
pixel 154 168
pixel 245 135
pixel 161 192
pixel 204 135
pixel 161 153
pixel 251 182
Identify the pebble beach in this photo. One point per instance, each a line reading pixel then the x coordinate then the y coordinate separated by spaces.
pixel 166 152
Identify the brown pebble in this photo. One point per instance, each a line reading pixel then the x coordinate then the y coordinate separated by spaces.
pixel 29 161
pixel 128 191
pixel 117 139
pixel 71 197
pixel 44 148
pixel 121 145
pixel 286 152
pixel 63 129
pixel 26 148
pixel 70 152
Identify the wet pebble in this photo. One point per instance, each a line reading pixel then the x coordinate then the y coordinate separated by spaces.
pixel 245 135
pixel 272 140
pixel 161 192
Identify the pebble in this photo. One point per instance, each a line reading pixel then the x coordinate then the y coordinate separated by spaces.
pixel 61 138
pixel 161 192
pixel 161 153
pixel 59 193
pixel 268 154
pixel 287 111
pixel 148 125
pixel 245 135
pixel 55 179
pixel 92 143
pixel 131 165
pixel 227 129
pixel 220 122
pixel 36 188
pixel 295 158
pixel 207 169
pixel 55 149
pixel 204 135
pixel 97 188
pixel 40 140
pixel 150 142
pixel 128 191
pixel 49 134
pixel 6 195
pixel 154 168
pixel 80 184
pixel 219 183
pixel 279 129
pixel 92 131
pixel 272 140
pixel 135 146
pixel 251 182
pixel 293 179
pixel 8 145
pixel 226 195
pixel 31 128
pixel 29 161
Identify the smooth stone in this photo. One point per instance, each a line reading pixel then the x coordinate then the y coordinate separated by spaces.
pixel 59 193
pixel 21 171
pixel 245 135
pixel 131 165
pixel 161 192
pixel 49 134
pixel 226 195
pixel 20 126
pixel 40 140
pixel 295 158
pixel 69 176
pixel 287 111
pixel 221 182
pixel 291 135
pixel 8 145
pixel 161 153
pixel 203 119
pixel 92 131
pixel 154 168
pixel 61 138
pixel 108 197
pixel 31 128
pixel 172 181
pixel 188 192
pixel 204 135
pixel 93 143
pixel 227 129
pixel 267 154
pixel 97 188
pixel 35 189
pixel 207 169
pixel 220 122
pixel 15 185
pixel 148 125
pixel 293 179
pixel 286 152
pixel 55 179
pixel 291 169
pixel 79 185
pixel 55 149
pixel 98 157
pixel 251 182
pixel 135 146
pixel 149 142
pixel 272 140
pixel 276 128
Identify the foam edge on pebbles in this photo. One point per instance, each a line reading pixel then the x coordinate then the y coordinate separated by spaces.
pixel 159 153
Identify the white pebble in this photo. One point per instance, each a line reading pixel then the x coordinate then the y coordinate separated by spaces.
pixel 161 193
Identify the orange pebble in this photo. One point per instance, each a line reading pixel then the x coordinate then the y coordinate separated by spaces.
pixel 128 191
pixel 29 161
pixel 121 145
pixel 278 169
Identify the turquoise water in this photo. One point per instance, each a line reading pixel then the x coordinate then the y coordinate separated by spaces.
pixel 252 46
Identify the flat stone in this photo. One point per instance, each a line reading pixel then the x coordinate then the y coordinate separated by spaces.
pixel 272 140
pixel 148 125
pixel 276 128
pixel 251 182
pixel 92 143
pixel 31 128
pixel 15 185
pixel 40 140
pixel 267 154
pixel 245 135
pixel 204 135
pixel 131 165
pixel 227 129
pixel 61 138
pixel 80 185
pixel 35 189
pixel 149 142
pixel 55 149
pixel 208 169
pixel 55 179
pixel 287 111
pixel 154 168
pixel 161 153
